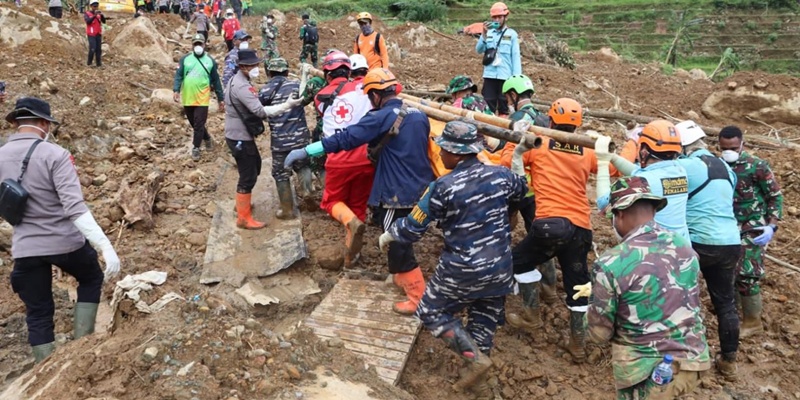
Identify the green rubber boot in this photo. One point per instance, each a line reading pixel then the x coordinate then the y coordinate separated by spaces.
pixel 286 199
pixel 531 317
pixel 41 351
pixel 85 315
pixel 751 310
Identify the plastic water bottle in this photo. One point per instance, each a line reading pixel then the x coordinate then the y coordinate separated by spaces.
pixel 662 375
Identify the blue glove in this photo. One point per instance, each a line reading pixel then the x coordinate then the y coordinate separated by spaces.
pixel 293 157
pixel 764 238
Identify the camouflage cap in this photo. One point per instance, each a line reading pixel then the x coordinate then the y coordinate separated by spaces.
pixel 460 138
pixel 630 189
pixel 277 65
pixel 461 82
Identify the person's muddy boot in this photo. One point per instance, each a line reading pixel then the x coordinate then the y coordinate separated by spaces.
pixel 286 199
pixel 577 337
pixel 726 365
pixel 531 317
pixel 481 388
pixel 40 352
pixel 459 341
pixel 751 310
pixel 413 283
pixel 549 280
pixel 84 317
pixel 354 231
pixel 306 186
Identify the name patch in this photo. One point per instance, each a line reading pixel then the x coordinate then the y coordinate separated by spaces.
pixel 565 147
pixel 673 186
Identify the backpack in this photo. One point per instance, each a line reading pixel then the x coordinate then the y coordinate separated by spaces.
pixel 377 40
pixel 311 35
pixel 716 170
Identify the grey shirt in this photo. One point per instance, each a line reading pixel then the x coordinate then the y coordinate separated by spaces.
pixel 240 92
pixel 55 198
pixel 201 21
pixel 55 3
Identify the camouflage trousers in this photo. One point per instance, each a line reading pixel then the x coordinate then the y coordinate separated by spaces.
pixel 750 269
pixel 309 50
pixel 279 173
pixel 684 382
pixel 270 50
pixel 437 312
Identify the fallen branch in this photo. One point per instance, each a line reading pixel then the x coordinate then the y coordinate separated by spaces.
pixel 139 85
pixel 781 263
pixel 442 34
pixel 138 203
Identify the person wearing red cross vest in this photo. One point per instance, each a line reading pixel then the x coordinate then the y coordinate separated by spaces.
pixel 348 174
pixel 94 32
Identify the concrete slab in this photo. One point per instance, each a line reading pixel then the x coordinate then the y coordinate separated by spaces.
pixel 359 312
pixel 233 254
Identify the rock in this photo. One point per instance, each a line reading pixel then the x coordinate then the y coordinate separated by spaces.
pixel 278 16
pixel 284 345
pixel 681 73
pixel 84 101
pixel 792 210
pixel 125 120
pixel 329 256
pixel 258 361
pixel 150 354
pixel 761 85
pixel 18 28
pixel 551 389
pixel 125 153
pixel 591 85
pixel 196 175
pixel 105 47
pixel 335 342
pixel 732 85
pixel 746 102
pixel 508 392
pixel 293 372
pixel 186 368
pixel 607 55
pixel 697 74
pixel 145 134
pixel 85 180
pixel 395 53
pixel 140 40
pixel 693 115
pixel 781 298
pixel 6 231
pixel 252 324
pixel 196 239
pixel 99 180
pixel 420 37
pixel 145 68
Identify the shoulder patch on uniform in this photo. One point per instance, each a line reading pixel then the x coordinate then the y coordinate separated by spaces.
pixel 675 186
pixel 253 91
pixel 565 147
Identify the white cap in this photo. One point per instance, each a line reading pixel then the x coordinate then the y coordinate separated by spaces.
pixel 94 2
pixel 358 61
pixel 690 132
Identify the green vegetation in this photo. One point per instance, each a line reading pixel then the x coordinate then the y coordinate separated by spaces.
pixel 411 10
pixel 751 25
pixel 772 38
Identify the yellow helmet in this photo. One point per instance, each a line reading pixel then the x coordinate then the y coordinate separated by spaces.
pixel 364 15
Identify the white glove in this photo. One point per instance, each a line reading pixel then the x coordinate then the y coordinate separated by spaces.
pixel 491 143
pixel 517 166
pixel 625 167
pixel 94 234
pixel 269 34
pixel 384 240
pixel 593 134
pixel 279 109
pixel 601 145
pixel 522 125
pixel 582 291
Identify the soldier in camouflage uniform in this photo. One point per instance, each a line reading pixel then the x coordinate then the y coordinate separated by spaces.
pixel 645 298
pixel 470 205
pixel 313 86
pixel 288 131
pixel 310 37
pixel 269 39
pixel 464 95
pixel 758 205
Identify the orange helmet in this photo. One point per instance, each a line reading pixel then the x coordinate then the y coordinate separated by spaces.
pixel 335 59
pixel 379 79
pixel 566 111
pixel 498 9
pixel 661 136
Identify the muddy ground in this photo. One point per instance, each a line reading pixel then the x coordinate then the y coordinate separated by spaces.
pixel 268 357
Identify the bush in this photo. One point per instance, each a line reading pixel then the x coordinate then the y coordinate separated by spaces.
pixel 667 69
pixel 772 38
pixel 777 25
pixel 751 25
pixel 421 10
pixel 721 25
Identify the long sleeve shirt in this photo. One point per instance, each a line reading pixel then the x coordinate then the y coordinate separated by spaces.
pixel 508 61
pixel 195 78
pixel 758 198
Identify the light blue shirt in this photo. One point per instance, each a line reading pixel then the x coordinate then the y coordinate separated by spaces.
pixel 709 212
pixel 508 61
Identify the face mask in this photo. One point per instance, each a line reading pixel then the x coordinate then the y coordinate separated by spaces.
pixel 730 156
pixel 269 21
pixel 494 25
pixel 253 73
pixel 198 50
pixel 366 29
pixel 614 225
pixel 46 133
pixel 244 46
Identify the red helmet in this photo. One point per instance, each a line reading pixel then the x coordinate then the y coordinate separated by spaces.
pixel 335 59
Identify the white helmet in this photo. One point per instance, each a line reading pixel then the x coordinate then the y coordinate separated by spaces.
pixel 229 11
pixel 690 132
pixel 358 61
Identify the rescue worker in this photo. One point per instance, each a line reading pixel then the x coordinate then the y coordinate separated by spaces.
pixel 55 9
pixel 562 227
pixel 237 8
pixel 202 22
pixel 163 6
pixel 288 131
pixel 317 165
pixel 499 45
pixel 217 15
pixel 94 19
pixel 348 174
pixel 645 298
pixel 175 6
pixel 269 38
pixel 242 104
pixel 403 170
pixel 358 67
pixel 185 9
pixel 240 42
pixel 229 28
pixel 659 148
pixel 56 228
pixel 470 205
pixel 464 95
pixel 194 79
pixel 370 44
pixel 758 205
pixel 310 37
pixel 715 235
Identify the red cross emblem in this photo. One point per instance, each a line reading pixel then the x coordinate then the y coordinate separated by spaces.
pixel 342 112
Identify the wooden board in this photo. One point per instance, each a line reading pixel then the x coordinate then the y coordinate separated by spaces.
pixel 359 312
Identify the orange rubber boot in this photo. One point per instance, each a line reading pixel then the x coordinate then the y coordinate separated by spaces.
pixel 244 211
pixel 354 228
pixel 414 285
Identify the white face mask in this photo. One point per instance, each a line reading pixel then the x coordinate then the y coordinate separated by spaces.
pixel 730 156
pixel 45 132
pixel 253 74
pixel 269 21
pixel 614 225
pixel 198 50
pixel 244 46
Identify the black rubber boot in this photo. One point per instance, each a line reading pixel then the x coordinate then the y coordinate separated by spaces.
pixel 286 199
pixel 531 317
pixel 460 342
pixel 577 337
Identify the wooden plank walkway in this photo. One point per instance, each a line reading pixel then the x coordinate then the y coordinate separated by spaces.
pixel 359 312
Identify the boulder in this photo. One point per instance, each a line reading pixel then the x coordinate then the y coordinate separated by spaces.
pixel 6 231
pixel 746 102
pixel 17 28
pixel 697 74
pixel 140 40
pixel 420 37
pixel 280 18
pixel 681 73
pixel 607 55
